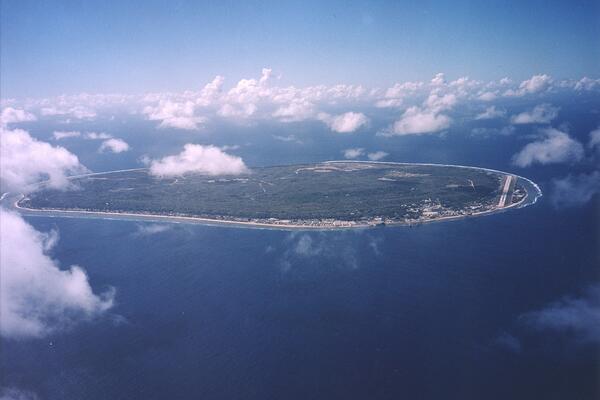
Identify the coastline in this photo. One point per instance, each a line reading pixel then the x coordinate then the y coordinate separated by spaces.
pixel 272 225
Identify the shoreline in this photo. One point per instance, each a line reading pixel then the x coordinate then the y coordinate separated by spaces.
pixel 248 224
pixel 282 226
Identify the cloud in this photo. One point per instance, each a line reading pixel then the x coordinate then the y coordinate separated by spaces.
pixel 541 114
pixel 575 190
pixel 211 91
pixel 114 146
pixel 536 84
pixel 438 80
pixel 97 136
pixel 344 123
pixel 586 83
pixel 296 110
pixel 508 342
pixel 353 153
pixel 317 250
pixel 393 96
pixel 377 155
pixel 174 115
pixel 13 393
pixel 491 113
pixel 288 138
pixel 416 121
pixel 554 147
pixel 151 229
pixel 577 317
pixel 59 135
pixel 195 158
pixel 595 139
pixel 78 112
pixel 25 161
pixel 487 96
pixel 36 296
pixel 12 115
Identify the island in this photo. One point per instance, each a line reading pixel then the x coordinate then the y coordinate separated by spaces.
pixel 332 194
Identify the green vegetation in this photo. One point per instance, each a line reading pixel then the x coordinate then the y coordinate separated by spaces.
pixel 342 191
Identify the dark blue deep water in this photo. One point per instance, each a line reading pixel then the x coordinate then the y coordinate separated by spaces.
pixel 428 312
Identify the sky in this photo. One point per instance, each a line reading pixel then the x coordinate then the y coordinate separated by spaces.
pixel 69 47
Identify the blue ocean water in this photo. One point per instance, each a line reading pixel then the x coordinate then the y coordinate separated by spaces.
pixel 427 312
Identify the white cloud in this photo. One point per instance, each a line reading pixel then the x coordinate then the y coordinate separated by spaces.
pixel 536 84
pixel 97 136
pixel 25 161
pixel 377 155
pixel 586 83
pixel 151 229
pixel 288 138
pixel 296 110
pixel 388 103
pixel 13 115
pixel 114 146
pixel 554 147
pixel 36 296
pixel 59 135
pixel 491 113
pixel 579 317
pixel 195 158
pixel 417 121
pixel 211 92
pixel 541 114
pixel 438 80
pixel 78 112
pixel 13 393
pixel 487 96
pixel 437 103
pixel 344 123
pixel 353 153
pixel 595 139
pixel 174 115
pixel 575 190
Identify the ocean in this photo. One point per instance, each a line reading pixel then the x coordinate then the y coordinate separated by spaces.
pixel 436 311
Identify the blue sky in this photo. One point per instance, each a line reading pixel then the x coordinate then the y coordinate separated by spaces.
pixel 50 48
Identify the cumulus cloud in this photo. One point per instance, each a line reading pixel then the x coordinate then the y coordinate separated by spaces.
pixel 541 114
pixel 377 155
pixel 59 135
pixel 297 110
pixel 195 158
pixel 586 83
pixel 353 153
pixel 491 113
pixel 25 160
pixel 487 96
pixel 416 121
pixel 536 84
pixel 78 112
pixel 174 115
pixel 114 146
pixel 595 139
pixel 578 317
pixel 37 297
pixel 575 190
pixel 13 115
pixel 394 95
pixel 344 123
pixel 97 136
pixel 438 80
pixel 554 147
